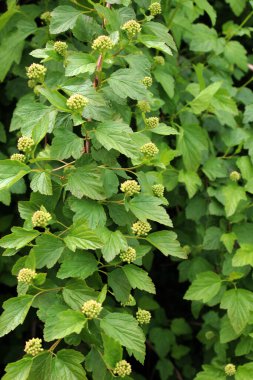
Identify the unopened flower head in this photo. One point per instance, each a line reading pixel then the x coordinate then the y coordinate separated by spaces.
pixel 143 105
pixel 41 218
pixel 143 316
pixel 130 187
pixel 36 71
pixel 61 47
pixel 230 369
pixel 158 190
pixel 26 275
pixel 91 309
pixel 122 369
pixel 209 335
pixel 77 102
pixel 132 28
pixel 159 60
pixel 149 149
pixel 155 9
pixel 46 17
pixel 25 144
pixel 235 176
pixel 130 302
pixel 152 122
pixel 18 157
pixel 129 255
pixel 147 81
pixel 33 346
pixel 140 228
pixel 102 43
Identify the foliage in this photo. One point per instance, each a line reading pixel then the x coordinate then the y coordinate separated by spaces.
pixel 104 191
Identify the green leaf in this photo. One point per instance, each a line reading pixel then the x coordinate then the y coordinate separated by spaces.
pixel 191 181
pixel 11 172
pixel 116 135
pixel 154 42
pixel 112 351
pixel 80 236
pixel 76 292
pixel 138 278
pixel 204 288
pixel 204 4
pixel 47 251
pixel 124 329
pixel 167 243
pixel 42 367
pixel 19 370
pixel 147 207
pixel 161 31
pixel 41 182
pixel 67 366
pixel 243 256
pixel 19 238
pixel 114 242
pixel 62 324
pixel 55 98
pixel 66 144
pixel 63 18
pixel 212 238
pixel 203 39
pixel 244 372
pixel 79 63
pixel 233 195
pixel 15 311
pixel 236 54
pixel 210 373
pixel 90 210
pixel 203 99
pixel 237 7
pixel 248 114
pixel 166 80
pixel 79 264
pixel 127 83
pixel 239 304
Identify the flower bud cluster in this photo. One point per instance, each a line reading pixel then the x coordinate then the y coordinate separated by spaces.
pixel 143 105
pixel 143 317
pixel 158 190
pixel 26 275
pixel 152 122
pixel 41 218
pixel 159 60
pixel 149 149
pixel 140 228
pixel 33 346
pixel 18 157
pixel 230 369
pixel 132 28
pixel 130 302
pixel 61 47
pixel 155 9
pixel 122 368
pixel 91 309
pixel 46 17
pixel 147 81
pixel 36 71
pixel 129 255
pixel 235 176
pixel 102 43
pixel 77 102
pixel 130 187
pixel 25 144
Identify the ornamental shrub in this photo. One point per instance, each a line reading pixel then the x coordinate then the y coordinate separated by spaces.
pixel 126 168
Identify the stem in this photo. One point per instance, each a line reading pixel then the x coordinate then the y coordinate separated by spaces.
pixel 51 349
pixel 240 26
pixel 63 166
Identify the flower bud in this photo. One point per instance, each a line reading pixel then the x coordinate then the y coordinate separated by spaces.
pixel 158 190
pixel 159 60
pixel 130 302
pixel 230 369
pixel 31 83
pixel 77 102
pixel 140 228
pixel 18 157
pixel 130 187
pixel 61 47
pixel 147 81
pixel 235 176
pixel 25 144
pixel 152 122
pixel 143 317
pixel 26 275
pixel 129 255
pixel 132 28
pixel 41 218
pixel 155 9
pixel 209 335
pixel 33 346
pixel 122 368
pixel 36 71
pixel 102 43
pixel 91 309
pixel 46 17
pixel 143 105
pixel 149 149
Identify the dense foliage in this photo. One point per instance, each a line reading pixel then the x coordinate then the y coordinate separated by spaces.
pixel 129 155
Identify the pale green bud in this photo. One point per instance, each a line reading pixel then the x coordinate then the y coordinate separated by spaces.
pixel 140 228
pixel 91 309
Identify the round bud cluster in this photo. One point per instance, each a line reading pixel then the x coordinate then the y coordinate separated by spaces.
pixel 33 346
pixel 102 43
pixel 60 47
pixel 140 228
pixel 31 83
pixel 209 335
pixel 159 60
pixel 230 369
pixel 18 157
pixel 143 316
pixel 152 122
pixel 147 81
pixel 158 190
pixel 132 28
pixel 235 176
pixel 129 302
pixel 26 275
pixel 149 149
pixel 36 71
pixel 122 368
pixel 41 218
pixel 144 106
pixel 130 187
pixel 46 17
pixel 155 9
pixel 25 144
pixel 129 255
pixel 77 102
pixel 91 309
